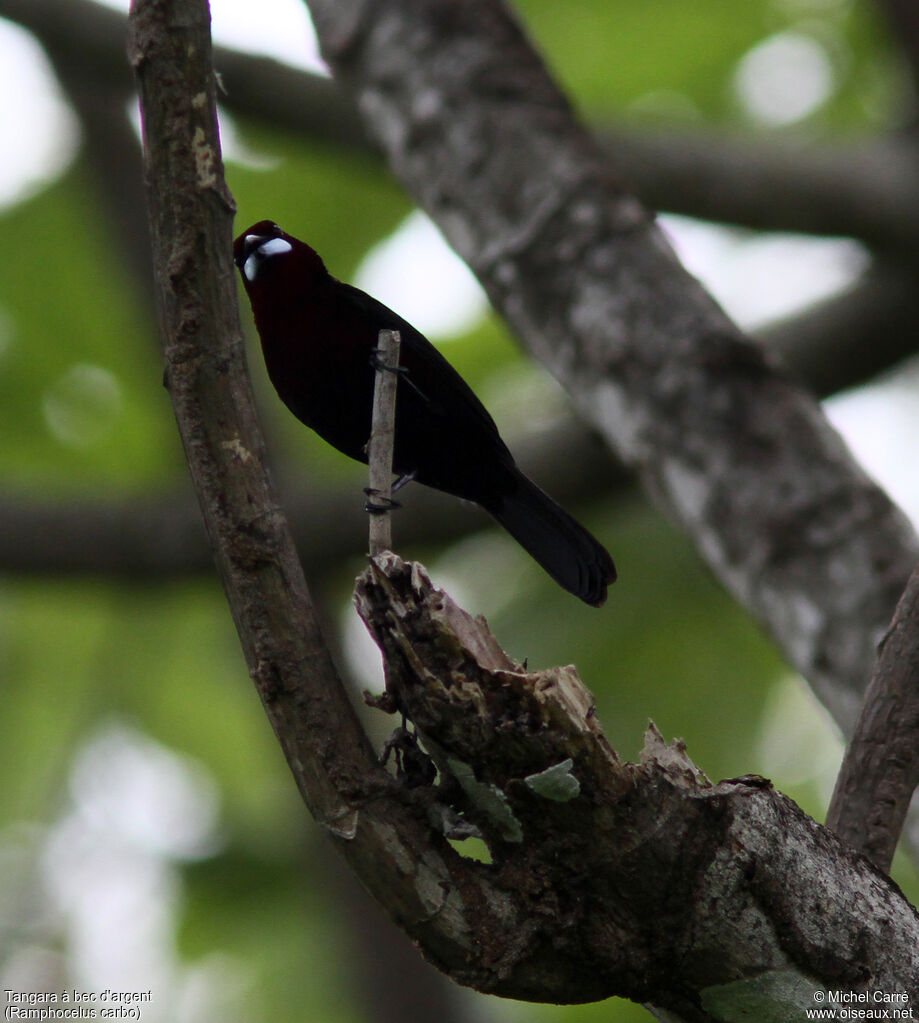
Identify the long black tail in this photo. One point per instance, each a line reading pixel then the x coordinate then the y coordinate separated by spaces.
pixel 564 548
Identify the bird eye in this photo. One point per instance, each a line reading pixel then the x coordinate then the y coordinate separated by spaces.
pixel 271 247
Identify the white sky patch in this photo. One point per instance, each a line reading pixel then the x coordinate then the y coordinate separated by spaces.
pixel 486 570
pixel 784 79
pixel 152 796
pixel 420 277
pixel 762 277
pixel 232 143
pixel 275 28
pixel 879 422
pixel 798 744
pixel 109 875
pixel 39 135
pixel 363 657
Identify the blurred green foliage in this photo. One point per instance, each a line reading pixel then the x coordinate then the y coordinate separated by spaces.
pixel 82 410
pixel 614 57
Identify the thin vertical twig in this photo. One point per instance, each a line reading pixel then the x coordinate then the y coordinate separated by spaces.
pixel 382 441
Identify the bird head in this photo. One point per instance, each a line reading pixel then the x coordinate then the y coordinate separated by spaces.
pixel 264 249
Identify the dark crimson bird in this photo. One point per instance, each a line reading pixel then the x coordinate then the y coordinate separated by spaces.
pixel 319 338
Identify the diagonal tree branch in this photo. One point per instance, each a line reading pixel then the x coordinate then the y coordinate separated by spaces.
pixel 881 766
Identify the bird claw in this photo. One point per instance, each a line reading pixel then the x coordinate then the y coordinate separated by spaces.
pixel 378 364
pixel 385 504
pixel 381 504
pixel 402 372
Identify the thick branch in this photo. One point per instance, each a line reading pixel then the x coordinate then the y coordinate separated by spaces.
pixel 191 215
pixel 710 902
pixel 866 191
pixel 741 457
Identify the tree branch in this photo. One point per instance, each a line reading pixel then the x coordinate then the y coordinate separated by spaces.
pixel 160 537
pixel 880 770
pixel 191 215
pixel 707 901
pixel 775 185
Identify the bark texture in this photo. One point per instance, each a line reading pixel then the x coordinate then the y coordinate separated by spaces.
pixel 713 902
pixel 880 770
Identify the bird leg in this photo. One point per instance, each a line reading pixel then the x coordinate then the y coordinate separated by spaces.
pixel 401 371
pixel 378 506
pixel 406 477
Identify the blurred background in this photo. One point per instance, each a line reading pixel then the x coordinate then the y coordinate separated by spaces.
pixel 151 837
